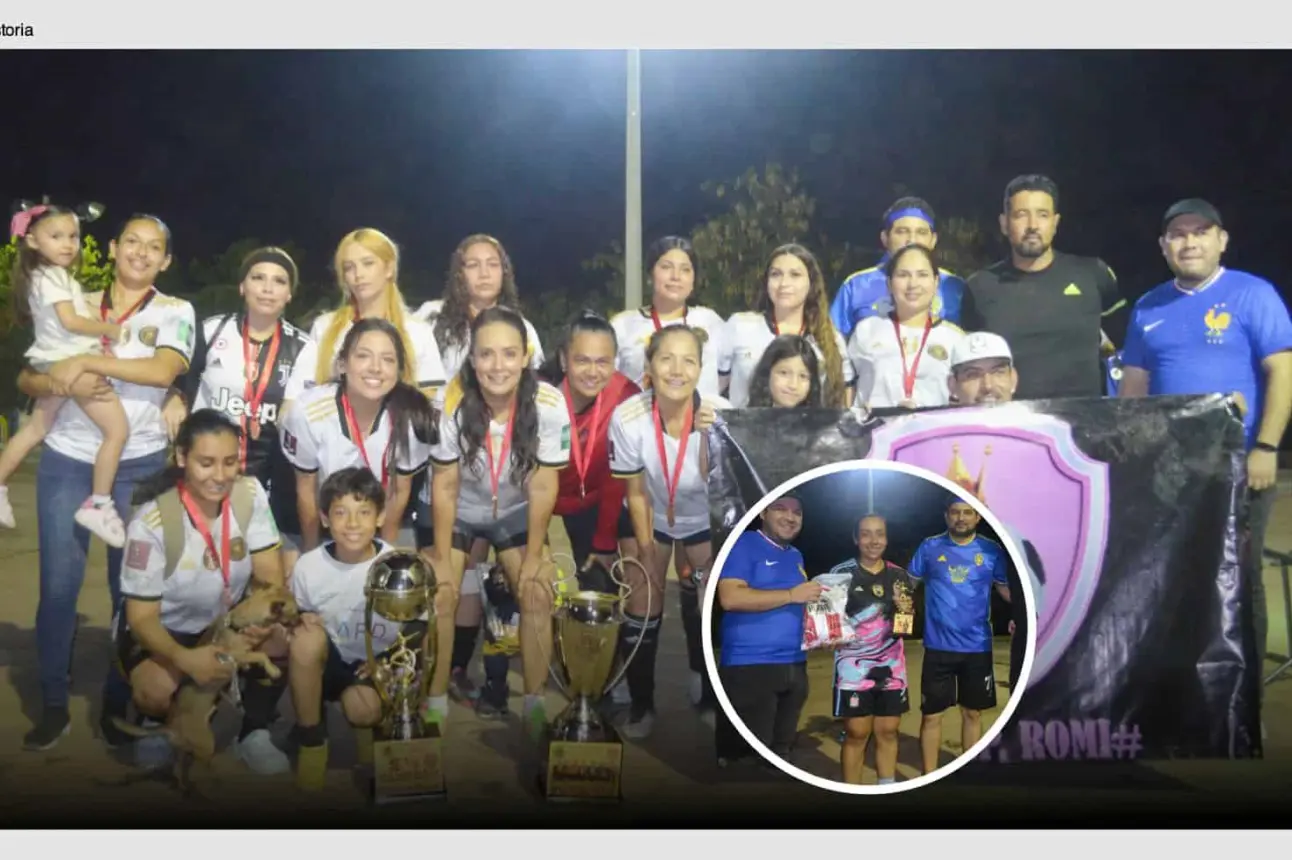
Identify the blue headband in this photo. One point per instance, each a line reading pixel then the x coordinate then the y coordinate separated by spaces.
pixel 911 212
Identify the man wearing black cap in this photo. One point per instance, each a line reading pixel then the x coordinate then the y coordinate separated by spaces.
pixel 1218 330
pixel 1052 308
pixel 762 586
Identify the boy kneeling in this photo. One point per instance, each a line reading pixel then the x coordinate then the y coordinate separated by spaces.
pixel 328 652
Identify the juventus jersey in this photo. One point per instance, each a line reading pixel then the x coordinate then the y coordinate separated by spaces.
pixel 634 450
pixel 217 379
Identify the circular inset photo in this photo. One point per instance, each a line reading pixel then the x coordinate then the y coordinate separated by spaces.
pixel 867 629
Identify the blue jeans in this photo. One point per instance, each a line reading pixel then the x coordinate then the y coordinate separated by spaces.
pixel 62 485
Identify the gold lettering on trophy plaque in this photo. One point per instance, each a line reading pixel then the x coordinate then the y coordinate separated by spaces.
pixel 408 770
pixel 588 771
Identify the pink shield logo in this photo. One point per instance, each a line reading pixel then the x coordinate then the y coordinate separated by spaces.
pixel 1028 471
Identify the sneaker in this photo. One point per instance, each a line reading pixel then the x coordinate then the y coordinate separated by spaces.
pixel 486 709
pixel 639 724
pixel 257 752
pixel 153 753
pixel 311 767
pixel 6 510
pixel 48 731
pixel 102 521
pixel 462 689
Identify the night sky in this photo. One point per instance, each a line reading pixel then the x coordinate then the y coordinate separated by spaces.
pixel 303 146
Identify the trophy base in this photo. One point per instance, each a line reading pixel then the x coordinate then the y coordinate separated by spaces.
pixel 583 771
pixel 407 770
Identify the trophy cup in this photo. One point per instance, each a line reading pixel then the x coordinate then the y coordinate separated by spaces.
pixel 407 764
pixel 904 617
pixel 584 751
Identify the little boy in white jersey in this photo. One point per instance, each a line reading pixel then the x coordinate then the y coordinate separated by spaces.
pixel 328 651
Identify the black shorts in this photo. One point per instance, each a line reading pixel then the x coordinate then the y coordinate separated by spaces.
pixel 339 676
pixel 875 702
pixel 690 540
pixel 581 527
pixel 951 678
pixel 130 654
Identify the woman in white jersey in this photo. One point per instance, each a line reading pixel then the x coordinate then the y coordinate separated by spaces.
pixel 166 609
pixel 367 268
pixel 791 300
pixel 147 360
pixel 657 444
pixel 329 651
pixel 240 367
pixel 671 267
pixel 480 277
pixel 903 359
pixel 504 439
pixel 368 418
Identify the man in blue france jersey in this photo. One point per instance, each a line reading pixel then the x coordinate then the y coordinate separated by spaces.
pixel 762 587
pixel 1213 330
pixel 958 570
pixel 865 294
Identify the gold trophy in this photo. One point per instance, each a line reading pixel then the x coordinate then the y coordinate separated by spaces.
pixel 904 618
pixel 584 751
pixel 407 762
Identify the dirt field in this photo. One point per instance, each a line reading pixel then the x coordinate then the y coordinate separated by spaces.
pixel 671 778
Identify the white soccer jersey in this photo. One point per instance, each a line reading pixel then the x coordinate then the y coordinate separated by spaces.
pixel 191 599
pixel 455 355
pixel 50 285
pixel 634 450
pixel 634 328
pixel 428 369
pixel 475 487
pixel 333 590
pixel 877 360
pixel 316 438
pixel 747 335
pixel 162 322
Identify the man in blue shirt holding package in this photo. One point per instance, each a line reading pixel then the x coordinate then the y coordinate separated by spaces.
pixel 762 587
pixel 958 569
pixel 909 221
pixel 1213 330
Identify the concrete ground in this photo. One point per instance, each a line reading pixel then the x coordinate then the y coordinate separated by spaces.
pixel 669 779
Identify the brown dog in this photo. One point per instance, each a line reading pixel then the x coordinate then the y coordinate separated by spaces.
pixel 188 726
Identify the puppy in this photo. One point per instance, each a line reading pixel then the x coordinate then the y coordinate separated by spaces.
pixel 188 726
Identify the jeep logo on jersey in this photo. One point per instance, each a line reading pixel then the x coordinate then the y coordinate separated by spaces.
pixel 235 407
pixel 1028 471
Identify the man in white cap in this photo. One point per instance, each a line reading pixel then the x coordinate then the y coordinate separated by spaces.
pixel 982 371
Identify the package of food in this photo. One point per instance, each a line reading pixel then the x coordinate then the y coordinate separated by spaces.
pixel 825 622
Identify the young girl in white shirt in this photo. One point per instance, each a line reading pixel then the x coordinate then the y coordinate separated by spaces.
pixel 788 375
pixel 904 359
pixel 46 293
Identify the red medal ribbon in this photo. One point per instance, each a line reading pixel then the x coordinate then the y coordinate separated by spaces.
pixel 199 522
pixel 671 484
pixel 254 394
pixel 105 308
pixel 776 327
pixel 582 458
pixel 495 469
pixel 357 438
pixel 908 374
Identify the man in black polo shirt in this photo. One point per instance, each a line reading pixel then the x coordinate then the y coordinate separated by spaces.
pixel 1051 307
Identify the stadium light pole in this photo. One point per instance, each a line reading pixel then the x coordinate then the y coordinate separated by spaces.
pixel 633 186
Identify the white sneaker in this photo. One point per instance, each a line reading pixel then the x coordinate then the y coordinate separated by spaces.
pixel 104 522
pixel 258 752
pixel 6 509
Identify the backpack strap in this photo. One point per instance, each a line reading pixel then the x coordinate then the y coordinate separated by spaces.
pixel 173 529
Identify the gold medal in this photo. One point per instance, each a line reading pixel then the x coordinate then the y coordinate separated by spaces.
pixel 495 508
pixel 670 516
pixel 238 549
pixel 209 559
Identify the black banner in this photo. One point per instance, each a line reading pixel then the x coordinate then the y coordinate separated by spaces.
pixel 1132 510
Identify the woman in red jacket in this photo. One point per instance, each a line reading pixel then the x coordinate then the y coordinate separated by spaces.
pixel 591 502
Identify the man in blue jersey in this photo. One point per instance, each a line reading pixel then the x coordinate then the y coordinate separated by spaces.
pixel 1213 330
pixel 762 587
pixel 958 570
pixel 865 294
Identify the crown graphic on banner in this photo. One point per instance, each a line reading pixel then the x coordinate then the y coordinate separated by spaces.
pixel 959 473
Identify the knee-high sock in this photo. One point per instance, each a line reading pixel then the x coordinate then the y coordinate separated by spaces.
pixel 640 674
